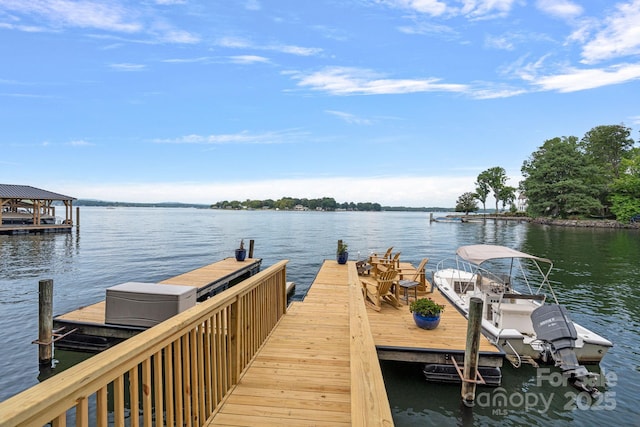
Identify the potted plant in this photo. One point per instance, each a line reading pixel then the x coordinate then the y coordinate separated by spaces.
pixel 241 252
pixel 426 312
pixel 342 255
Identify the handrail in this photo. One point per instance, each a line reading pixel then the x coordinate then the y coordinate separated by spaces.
pixel 175 373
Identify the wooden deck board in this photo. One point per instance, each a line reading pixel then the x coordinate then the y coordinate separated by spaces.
pixel 203 276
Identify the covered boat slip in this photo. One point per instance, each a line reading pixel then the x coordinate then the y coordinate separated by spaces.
pixel 94 334
pixel 25 209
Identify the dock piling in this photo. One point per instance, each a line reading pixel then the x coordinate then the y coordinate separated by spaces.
pixel 471 353
pixel 45 321
pixel 251 243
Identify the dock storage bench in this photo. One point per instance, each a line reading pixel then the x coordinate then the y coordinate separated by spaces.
pixel 146 304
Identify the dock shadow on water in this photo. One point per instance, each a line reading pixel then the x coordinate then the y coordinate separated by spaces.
pixel 527 396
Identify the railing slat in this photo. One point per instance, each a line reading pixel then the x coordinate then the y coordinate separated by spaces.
pixel 102 409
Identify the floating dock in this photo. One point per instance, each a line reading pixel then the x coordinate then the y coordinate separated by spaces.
pixel 398 338
pixel 92 333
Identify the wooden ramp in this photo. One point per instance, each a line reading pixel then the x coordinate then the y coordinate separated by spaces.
pixel 302 375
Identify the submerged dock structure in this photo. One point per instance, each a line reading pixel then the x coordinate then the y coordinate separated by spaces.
pixel 244 358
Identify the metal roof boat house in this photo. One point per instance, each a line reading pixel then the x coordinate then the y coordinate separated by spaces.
pixel 25 209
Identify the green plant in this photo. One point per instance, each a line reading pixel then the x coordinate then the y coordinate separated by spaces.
pixel 342 248
pixel 426 307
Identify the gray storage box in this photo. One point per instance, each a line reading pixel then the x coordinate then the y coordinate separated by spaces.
pixel 146 304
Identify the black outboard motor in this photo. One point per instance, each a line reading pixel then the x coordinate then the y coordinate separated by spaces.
pixel 554 328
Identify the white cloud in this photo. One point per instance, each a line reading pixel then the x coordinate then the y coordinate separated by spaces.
pixel 79 143
pixel 356 81
pixel 574 79
pixel 430 7
pixel 620 35
pixel 244 137
pixel 560 8
pixel 85 14
pixel 128 67
pixel 486 9
pixel 248 59
pixel 349 118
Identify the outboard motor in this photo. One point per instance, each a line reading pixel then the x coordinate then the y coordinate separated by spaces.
pixel 554 328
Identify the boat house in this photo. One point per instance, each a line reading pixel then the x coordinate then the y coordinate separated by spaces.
pixel 25 209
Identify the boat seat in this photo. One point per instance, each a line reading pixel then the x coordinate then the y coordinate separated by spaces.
pixel 515 316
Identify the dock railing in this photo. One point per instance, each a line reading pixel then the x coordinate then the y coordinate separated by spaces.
pixel 175 373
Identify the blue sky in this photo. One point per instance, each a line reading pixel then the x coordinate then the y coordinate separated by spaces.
pixel 401 102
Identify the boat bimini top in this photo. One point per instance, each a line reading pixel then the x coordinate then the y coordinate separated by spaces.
pixel 477 254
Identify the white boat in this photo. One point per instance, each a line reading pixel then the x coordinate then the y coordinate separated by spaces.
pixel 525 325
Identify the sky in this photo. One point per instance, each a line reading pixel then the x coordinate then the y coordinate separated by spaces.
pixel 399 102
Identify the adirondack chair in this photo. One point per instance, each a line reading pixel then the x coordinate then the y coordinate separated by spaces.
pixel 385 262
pixel 382 290
pixel 415 280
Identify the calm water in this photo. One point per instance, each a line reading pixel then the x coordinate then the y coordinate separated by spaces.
pixel 597 276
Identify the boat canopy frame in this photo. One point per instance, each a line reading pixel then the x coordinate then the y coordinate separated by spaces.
pixel 476 255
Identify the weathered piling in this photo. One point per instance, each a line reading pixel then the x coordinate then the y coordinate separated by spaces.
pixel 471 353
pixel 45 321
pixel 251 243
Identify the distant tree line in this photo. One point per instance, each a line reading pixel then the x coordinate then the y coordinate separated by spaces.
pixel 596 176
pixel 289 203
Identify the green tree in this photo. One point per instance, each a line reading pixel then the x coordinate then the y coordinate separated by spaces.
pixel 626 189
pixel 507 196
pixel 466 203
pixel 558 180
pixel 482 192
pixel 607 146
pixel 493 179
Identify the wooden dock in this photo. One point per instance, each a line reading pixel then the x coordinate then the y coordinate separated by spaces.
pixel 302 374
pixel 238 359
pixel 93 334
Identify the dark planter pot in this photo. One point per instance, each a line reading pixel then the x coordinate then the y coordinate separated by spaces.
pixel 241 254
pixel 426 322
pixel 343 257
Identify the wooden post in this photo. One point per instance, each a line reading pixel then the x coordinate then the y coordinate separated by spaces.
pixel 471 352
pixel 45 321
pixel 77 218
pixel 251 243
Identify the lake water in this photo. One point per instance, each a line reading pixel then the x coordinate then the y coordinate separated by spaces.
pixel 597 276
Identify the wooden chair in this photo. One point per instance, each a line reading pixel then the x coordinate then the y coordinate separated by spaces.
pixel 387 262
pixel 383 290
pixel 415 281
